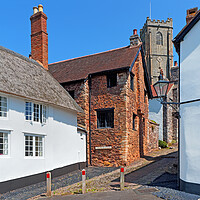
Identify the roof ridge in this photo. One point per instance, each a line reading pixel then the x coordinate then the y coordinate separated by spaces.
pixel 19 56
pixel 92 54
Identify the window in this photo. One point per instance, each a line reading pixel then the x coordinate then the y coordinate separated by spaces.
pixel 71 93
pixel 35 112
pixel 132 82
pixel 134 121
pixel 44 114
pixel 3 106
pixel 34 146
pixel 3 143
pixel 28 111
pixel 111 80
pixel 105 118
pixel 159 38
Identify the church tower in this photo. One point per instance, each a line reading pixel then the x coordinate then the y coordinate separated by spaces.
pixel 157 42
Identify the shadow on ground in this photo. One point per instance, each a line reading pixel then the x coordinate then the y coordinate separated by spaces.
pixel 168 180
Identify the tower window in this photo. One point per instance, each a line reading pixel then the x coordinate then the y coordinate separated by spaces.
pixel 159 38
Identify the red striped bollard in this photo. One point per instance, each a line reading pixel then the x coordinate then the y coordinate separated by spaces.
pixel 83 182
pixel 48 175
pixel 121 178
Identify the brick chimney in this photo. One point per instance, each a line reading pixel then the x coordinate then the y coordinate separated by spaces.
pixel 190 14
pixel 134 39
pixel 39 36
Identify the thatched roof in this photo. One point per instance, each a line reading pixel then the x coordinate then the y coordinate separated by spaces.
pixel 24 77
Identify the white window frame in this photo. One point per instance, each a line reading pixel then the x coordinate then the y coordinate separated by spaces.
pixel 34 146
pixel 42 116
pixel 4 117
pixel 8 143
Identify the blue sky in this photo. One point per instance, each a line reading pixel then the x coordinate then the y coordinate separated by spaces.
pixel 77 28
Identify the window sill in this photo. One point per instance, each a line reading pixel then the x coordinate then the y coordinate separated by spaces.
pixel 34 158
pixel 3 118
pixel 104 128
pixel 4 156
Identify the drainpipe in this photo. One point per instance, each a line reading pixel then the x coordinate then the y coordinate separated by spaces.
pixel 90 151
pixel 179 145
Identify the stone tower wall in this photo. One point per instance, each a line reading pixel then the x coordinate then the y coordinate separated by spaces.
pixel 158 56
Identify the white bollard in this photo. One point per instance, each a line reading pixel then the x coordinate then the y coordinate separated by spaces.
pixel 121 178
pixel 83 182
pixel 48 184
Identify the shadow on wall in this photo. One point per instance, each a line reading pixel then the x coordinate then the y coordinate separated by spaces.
pixel 65 117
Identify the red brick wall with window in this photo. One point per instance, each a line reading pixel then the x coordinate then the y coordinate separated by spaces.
pixel 125 144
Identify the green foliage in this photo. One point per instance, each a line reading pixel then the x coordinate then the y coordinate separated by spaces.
pixel 174 142
pixel 162 144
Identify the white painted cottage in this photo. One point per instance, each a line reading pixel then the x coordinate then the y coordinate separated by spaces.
pixel 187 44
pixel 38 124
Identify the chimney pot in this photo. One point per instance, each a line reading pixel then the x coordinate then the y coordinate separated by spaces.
pixel 175 63
pixel 135 32
pixel 35 10
pixel 190 14
pixel 40 8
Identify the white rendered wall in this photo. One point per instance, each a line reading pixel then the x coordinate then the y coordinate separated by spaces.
pixel 156 114
pixel 190 113
pixel 62 143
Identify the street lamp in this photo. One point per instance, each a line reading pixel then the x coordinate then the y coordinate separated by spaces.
pixel 161 87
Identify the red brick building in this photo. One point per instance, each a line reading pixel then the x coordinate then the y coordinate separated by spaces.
pixel 112 88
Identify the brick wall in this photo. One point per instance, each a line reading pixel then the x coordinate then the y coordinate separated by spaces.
pixel 39 38
pixel 120 145
pixel 153 135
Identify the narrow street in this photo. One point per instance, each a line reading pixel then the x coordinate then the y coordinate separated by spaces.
pixel 157 180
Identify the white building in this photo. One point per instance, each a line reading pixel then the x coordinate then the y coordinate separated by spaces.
pixel 187 44
pixel 38 124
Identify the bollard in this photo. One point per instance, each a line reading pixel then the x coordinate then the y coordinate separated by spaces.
pixel 48 184
pixel 121 178
pixel 83 182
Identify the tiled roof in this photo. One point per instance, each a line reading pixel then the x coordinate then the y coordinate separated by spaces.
pixel 80 68
pixel 24 77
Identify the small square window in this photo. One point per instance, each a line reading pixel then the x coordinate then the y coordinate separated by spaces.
pixel 35 112
pixel 34 146
pixel 105 118
pixel 111 80
pixel 134 121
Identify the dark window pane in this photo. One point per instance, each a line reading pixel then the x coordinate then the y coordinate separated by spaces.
pixel 132 82
pixel 134 117
pixel 110 119
pixel 71 93
pixel 111 80
pixel 105 118
pixel 159 38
